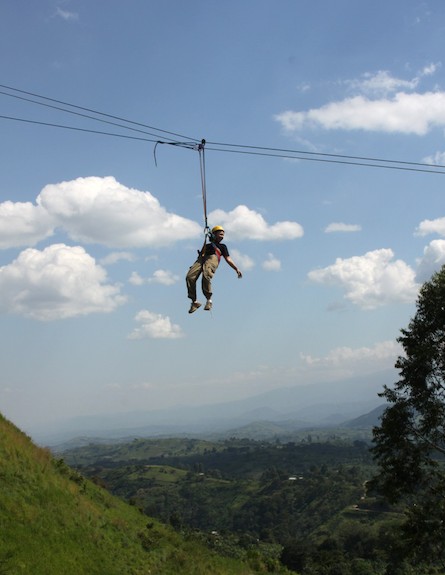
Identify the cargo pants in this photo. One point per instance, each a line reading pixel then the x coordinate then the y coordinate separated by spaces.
pixel 206 266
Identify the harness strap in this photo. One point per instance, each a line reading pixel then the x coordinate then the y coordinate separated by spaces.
pixel 202 253
pixel 217 251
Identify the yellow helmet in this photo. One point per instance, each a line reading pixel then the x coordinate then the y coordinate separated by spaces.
pixel 217 229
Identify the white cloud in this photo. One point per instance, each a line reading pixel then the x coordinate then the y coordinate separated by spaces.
pixel 144 386
pixel 304 87
pixel 244 223
pixel 243 261
pixel 437 159
pixel 116 257
pixel 404 113
pixel 430 69
pixel 154 326
pixel 340 227
pixel 66 15
pixel 136 280
pixel 56 283
pixel 97 210
pixel 342 356
pixel 103 211
pixel 426 227
pixel 163 277
pixel 271 264
pixel 371 280
pixel 432 260
pixel 382 82
pixel 23 224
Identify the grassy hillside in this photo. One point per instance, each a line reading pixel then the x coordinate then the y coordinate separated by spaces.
pixel 53 521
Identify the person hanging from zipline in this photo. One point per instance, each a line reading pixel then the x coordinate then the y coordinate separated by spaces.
pixel 207 264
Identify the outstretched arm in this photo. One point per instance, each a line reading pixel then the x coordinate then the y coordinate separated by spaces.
pixel 233 266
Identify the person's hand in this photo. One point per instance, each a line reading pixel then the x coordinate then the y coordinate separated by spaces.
pixel 239 274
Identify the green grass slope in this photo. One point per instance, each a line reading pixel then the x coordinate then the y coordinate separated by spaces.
pixel 55 522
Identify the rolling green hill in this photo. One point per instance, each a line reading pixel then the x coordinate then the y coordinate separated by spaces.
pixel 53 521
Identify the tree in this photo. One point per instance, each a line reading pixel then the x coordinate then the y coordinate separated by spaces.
pixel 410 441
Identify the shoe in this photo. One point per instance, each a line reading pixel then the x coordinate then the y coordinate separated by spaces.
pixel 208 305
pixel 195 305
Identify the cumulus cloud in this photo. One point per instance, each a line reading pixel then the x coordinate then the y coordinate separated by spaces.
pixel 371 280
pixel 432 260
pixel 103 211
pixel 93 210
pixel 154 326
pixel 271 264
pixel 426 227
pixel 96 210
pixel 244 223
pixel 23 224
pixel 340 227
pixel 163 277
pixel 56 283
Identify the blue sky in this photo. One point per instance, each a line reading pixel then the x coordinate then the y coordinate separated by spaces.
pixel 96 238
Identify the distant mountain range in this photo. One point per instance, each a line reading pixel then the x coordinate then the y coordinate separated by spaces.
pixel 297 407
pixel 287 430
pixel 368 420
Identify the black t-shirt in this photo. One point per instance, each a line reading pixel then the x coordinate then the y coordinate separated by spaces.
pixel 210 249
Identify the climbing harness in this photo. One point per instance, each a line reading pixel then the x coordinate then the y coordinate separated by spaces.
pixel 217 251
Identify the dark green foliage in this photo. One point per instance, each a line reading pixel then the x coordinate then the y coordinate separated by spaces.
pixel 270 491
pixel 410 442
pixel 302 505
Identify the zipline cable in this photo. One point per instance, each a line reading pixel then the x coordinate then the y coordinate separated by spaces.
pixel 238 148
pixel 432 169
pixel 224 147
pixel 79 114
pixel 188 145
pixel 263 148
pixel 97 112
pixel 290 156
pixel 52 125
